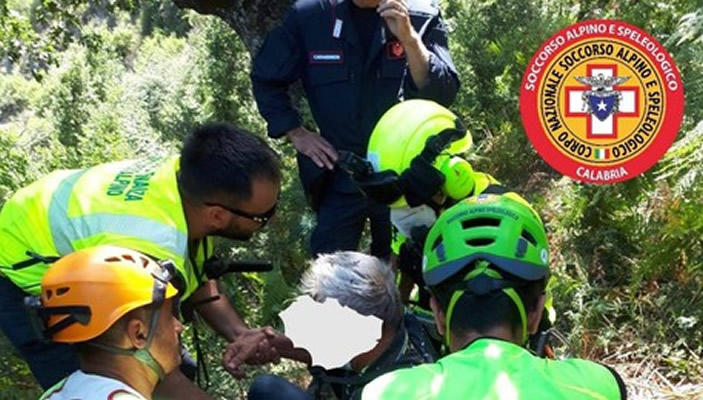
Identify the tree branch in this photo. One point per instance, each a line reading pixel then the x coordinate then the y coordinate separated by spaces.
pixel 251 19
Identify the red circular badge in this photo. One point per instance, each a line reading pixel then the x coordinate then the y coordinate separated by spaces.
pixel 601 101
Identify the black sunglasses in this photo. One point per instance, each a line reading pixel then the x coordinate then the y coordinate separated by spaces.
pixel 262 219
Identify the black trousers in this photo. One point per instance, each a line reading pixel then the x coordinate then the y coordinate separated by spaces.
pixel 341 218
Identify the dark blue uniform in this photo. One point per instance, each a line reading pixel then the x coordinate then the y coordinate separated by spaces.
pixel 348 86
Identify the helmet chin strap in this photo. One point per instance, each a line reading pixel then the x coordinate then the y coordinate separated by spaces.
pixel 143 355
pixel 482 268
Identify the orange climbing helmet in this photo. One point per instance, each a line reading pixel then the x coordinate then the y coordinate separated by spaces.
pixel 87 291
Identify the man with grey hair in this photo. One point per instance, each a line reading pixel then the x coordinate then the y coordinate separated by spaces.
pixel 366 285
pixel 361 282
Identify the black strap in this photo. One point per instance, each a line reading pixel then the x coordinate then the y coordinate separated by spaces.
pixel 34 259
pixel 61 325
pixel 420 182
pixel 436 144
pixel 495 188
pixel 200 362
pixel 354 380
pixel 215 268
pixel 81 311
pixel 358 167
pixel 76 315
pixel 382 187
pixel 188 312
pixel 479 286
pixel 621 384
pixel 420 339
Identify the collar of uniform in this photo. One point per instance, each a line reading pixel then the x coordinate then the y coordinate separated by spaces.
pixel 489 344
pixel 424 8
pixel 340 10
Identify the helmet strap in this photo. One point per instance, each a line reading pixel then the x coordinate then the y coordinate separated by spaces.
pixel 423 180
pixel 420 182
pixel 39 317
pixel 521 309
pixel 143 355
pixel 481 268
pixel 450 311
pixel 436 144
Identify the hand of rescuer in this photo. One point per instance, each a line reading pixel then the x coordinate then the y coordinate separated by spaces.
pixel 252 347
pixel 260 346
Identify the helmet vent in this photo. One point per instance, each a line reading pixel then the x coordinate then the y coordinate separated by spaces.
pixel 521 249
pixel 62 291
pixel 113 259
pixel 528 236
pixel 437 242
pixel 128 257
pixel 479 242
pixel 479 222
pixel 145 261
pixel 49 293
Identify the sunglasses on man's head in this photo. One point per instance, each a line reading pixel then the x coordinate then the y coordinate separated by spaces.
pixel 262 218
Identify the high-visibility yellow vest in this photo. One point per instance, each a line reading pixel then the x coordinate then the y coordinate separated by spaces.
pixel 492 369
pixel 134 204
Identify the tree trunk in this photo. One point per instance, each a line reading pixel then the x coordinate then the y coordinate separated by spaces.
pixel 251 19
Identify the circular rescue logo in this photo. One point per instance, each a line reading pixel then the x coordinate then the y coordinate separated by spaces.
pixel 601 101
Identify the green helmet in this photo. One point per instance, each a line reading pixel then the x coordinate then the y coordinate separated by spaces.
pixel 500 232
pixel 502 229
pixel 402 134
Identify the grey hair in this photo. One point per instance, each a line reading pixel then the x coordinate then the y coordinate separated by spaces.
pixel 358 281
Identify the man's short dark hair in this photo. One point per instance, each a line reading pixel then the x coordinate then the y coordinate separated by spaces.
pixel 219 159
pixel 483 313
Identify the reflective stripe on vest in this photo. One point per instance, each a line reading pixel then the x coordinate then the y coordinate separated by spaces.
pixel 57 212
pixel 134 204
pixel 65 230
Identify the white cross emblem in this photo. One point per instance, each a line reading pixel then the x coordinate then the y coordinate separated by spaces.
pixel 595 128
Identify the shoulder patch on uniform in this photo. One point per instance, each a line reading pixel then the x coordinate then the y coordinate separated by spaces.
pixel 425 7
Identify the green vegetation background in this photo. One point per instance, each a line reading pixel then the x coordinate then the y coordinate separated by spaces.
pixel 88 82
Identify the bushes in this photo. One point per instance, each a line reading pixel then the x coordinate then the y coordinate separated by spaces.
pixel 116 94
pixel 627 258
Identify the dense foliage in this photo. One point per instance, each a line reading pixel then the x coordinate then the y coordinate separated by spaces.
pixel 88 82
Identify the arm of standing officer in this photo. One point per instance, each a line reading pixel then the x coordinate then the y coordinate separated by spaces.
pixel 276 67
pixel 429 62
pixel 395 13
pixel 322 153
